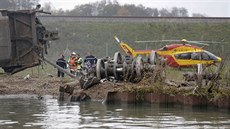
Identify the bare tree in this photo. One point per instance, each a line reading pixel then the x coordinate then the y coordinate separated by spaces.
pixel 183 12
pixel 164 13
pixel 175 12
pixel 86 10
pixel 25 4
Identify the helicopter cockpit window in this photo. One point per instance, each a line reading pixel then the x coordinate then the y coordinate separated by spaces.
pixel 204 56
pixel 196 56
pixel 210 55
pixel 184 56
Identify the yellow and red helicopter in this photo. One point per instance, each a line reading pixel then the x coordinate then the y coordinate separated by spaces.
pixel 177 55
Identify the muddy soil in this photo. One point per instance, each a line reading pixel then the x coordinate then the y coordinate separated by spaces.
pixel 99 92
pixel 32 85
pixel 50 86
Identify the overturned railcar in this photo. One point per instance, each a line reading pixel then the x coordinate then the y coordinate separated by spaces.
pixel 23 40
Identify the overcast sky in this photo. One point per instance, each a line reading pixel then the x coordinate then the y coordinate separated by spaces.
pixel 213 8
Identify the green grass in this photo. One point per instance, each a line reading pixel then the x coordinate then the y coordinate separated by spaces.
pixel 38 71
pixel 82 37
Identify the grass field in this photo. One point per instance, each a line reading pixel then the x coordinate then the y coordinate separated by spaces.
pixel 97 37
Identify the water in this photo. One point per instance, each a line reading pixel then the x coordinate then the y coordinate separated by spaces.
pixel 28 112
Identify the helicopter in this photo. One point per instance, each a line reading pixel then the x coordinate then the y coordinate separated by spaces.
pixel 179 54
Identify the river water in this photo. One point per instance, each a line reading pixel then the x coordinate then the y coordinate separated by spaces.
pixel 30 112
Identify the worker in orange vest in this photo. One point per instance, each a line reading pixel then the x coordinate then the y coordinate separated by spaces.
pixel 73 64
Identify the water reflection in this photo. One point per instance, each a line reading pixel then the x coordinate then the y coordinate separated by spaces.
pixel 16 111
pixel 58 115
pixel 48 113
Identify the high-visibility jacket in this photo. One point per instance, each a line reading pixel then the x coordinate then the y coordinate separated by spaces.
pixel 73 63
pixel 79 63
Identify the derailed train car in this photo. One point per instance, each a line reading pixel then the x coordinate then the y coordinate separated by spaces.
pixel 23 40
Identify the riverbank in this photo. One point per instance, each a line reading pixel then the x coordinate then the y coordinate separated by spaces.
pixel 158 93
pixel 118 92
pixel 30 85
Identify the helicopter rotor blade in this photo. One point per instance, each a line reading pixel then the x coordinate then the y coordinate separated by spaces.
pixel 171 40
pixel 154 41
pixel 211 42
pixel 157 41
pixel 205 43
pixel 200 43
pixel 186 41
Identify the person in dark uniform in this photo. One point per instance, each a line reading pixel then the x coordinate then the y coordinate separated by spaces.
pixel 90 61
pixel 62 63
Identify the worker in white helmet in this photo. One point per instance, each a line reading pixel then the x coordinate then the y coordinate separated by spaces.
pixel 72 61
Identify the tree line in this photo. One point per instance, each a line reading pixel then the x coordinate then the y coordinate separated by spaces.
pixel 108 8
pixel 101 8
pixel 18 4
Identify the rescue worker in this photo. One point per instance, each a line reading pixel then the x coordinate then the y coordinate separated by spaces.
pixel 62 63
pixel 90 61
pixel 79 62
pixel 73 66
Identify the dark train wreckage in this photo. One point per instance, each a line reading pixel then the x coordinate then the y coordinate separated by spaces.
pixel 23 40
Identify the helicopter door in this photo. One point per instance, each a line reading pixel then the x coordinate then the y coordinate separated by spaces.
pixel 5 43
